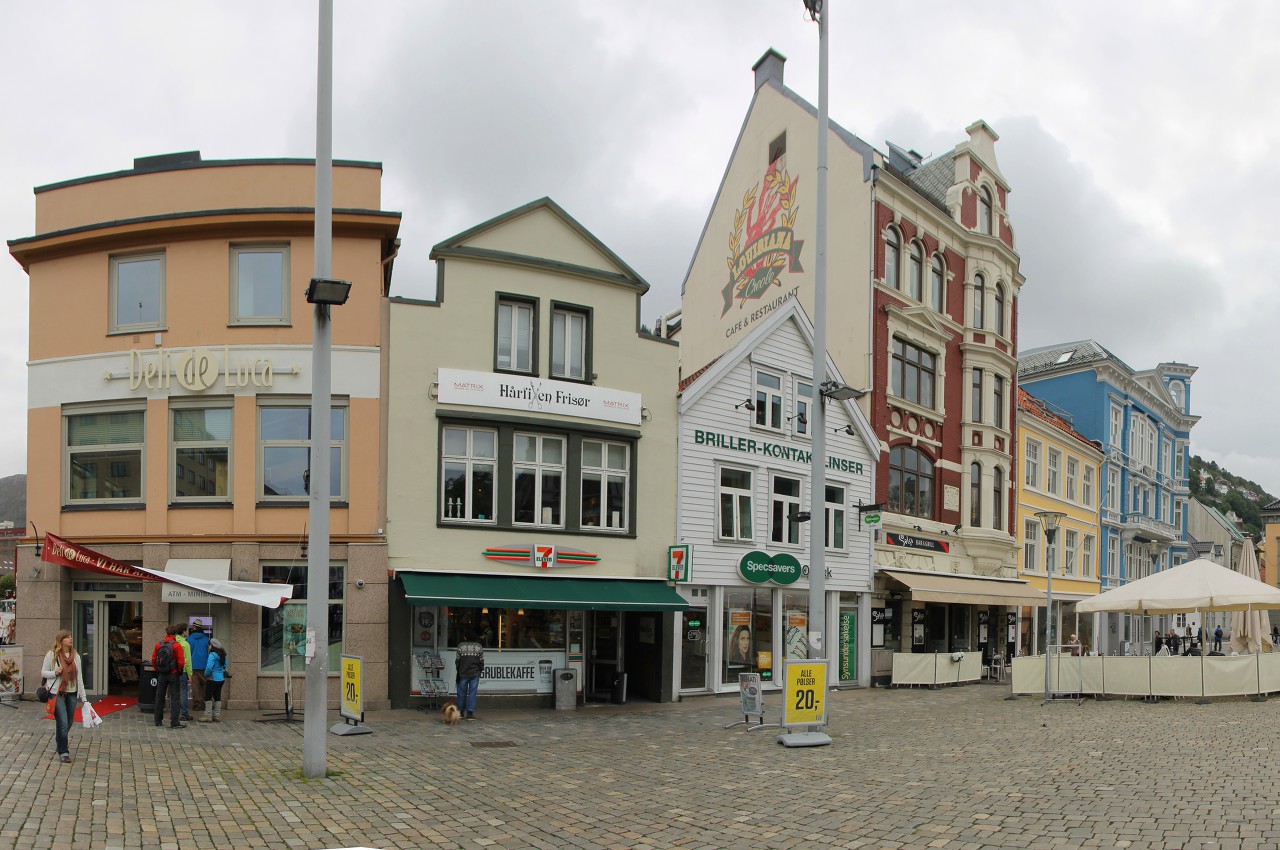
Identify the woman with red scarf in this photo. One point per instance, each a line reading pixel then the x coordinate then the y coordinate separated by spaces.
pixel 65 681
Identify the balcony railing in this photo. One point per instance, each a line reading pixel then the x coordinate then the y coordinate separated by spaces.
pixel 1159 530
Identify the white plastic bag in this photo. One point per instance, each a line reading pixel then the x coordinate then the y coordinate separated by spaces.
pixel 89 717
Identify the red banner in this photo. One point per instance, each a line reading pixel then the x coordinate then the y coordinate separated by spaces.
pixel 59 551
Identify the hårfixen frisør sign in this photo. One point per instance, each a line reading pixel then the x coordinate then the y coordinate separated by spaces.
pixel 758 568
pixel 514 392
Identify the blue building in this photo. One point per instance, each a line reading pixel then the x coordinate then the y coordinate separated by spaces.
pixel 1142 422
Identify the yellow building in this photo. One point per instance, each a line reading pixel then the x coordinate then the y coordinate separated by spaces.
pixel 1060 472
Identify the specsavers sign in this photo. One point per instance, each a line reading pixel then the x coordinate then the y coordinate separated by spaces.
pixel 759 567
pixel 562 398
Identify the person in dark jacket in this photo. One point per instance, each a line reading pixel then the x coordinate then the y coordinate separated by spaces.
pixel 1157 644
pixel 1217 639
pixel 198 640
pixel 167 682
pixel 1173 642
pixel 469 664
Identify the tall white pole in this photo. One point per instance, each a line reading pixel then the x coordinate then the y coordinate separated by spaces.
pixel 818 428
pixel 317 691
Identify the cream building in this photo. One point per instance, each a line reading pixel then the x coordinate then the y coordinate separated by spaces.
pixel 531 468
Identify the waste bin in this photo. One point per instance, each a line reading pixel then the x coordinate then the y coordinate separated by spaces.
pixel 566 679
pixel 146 688
pixel 619 689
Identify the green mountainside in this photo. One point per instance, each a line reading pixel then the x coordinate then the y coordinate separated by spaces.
pixel 1213 485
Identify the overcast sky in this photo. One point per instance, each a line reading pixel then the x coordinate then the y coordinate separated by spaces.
pixel 1139 139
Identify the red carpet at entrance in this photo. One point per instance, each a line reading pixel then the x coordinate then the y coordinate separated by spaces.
pixel 105 706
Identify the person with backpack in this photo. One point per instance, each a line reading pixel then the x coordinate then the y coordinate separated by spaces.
pixel 1217 639
pixel 168 661
pixel 198 640
pixel 215 672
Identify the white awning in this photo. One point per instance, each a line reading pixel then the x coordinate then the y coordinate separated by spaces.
pixel 208 580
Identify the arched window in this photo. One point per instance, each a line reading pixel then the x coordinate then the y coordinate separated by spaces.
pixel 975 495
pixel 997 499
pixel 1179 396
pixel 892 258
pixel 979 299
pixel 984 211
pixel 910 482
pixel 937 274
pixel 916 272
pixel 999 324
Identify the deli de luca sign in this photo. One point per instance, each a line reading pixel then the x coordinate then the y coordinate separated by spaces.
pixel 562 398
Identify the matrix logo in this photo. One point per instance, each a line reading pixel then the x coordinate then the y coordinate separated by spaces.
pixel 758 567
pixel 759 247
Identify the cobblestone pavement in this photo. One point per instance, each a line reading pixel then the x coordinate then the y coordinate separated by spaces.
pixel 954 768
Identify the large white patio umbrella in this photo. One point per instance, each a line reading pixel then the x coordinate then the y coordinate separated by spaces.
pixel 1250 630
pixel 1199 585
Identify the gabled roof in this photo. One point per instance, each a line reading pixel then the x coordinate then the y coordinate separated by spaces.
pixel 1064 356
pixel 793 311
pixel 456 246
pixel 933 179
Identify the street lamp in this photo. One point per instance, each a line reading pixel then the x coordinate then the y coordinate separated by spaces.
pixel 1050 521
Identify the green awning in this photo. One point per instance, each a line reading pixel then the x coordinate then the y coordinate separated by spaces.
pixel 541 591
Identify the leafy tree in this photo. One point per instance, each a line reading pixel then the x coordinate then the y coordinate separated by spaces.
pixel 7 583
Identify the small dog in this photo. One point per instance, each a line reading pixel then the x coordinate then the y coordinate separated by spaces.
pixel 450 714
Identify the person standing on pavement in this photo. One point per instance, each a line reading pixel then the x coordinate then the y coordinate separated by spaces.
pixel 184 675
pixel 1172 642
pixel 214 673
pixel 1158 643
pixel 168 661
pixel 198 640
pixel 65 681
pixel 469 664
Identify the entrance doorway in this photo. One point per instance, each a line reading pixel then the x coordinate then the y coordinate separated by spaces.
pixel 604 650
pixel 107 630
pixel 693 649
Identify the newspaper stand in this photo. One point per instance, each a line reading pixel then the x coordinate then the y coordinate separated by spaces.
pixel 752 703
pixel 430 684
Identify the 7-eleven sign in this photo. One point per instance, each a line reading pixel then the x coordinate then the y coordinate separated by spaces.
pixel 680 563
pixel 544 556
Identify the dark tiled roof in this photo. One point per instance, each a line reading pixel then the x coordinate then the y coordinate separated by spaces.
pixel 1039 361
pixel 934 179
pixel 685 382
pixel 1272 506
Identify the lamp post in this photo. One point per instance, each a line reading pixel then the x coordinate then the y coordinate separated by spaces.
pixel 1050 520
pixel 322 293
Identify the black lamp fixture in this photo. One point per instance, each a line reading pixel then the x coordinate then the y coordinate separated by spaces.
pixel 800 516
pixel 799 417
pixel 957 528
pixel 325 290
pixel 748 404
pixel 39 544
pixel 837 391
pixel 848 429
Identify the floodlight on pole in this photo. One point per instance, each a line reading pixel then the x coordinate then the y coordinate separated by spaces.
pixel 325 290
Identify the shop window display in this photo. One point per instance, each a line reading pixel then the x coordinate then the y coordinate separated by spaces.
pixel 748 629
pixel 506 628
pixel 283 629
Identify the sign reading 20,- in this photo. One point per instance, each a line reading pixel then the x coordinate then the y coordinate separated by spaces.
pixel 806 694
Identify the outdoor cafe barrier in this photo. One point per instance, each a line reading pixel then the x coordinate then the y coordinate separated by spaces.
pixel 1150 676
pixel 937 668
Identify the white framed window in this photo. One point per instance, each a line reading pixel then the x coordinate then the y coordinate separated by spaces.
pixel 200 452
pixel 259 284
pixel 1113 556
pixel 1177 515
pixel 1071 546
pixel 514 338
pixel 537 473
pixel 913 373
pixel 1053 465
pixel 605 484
pixel 975 396
pixel 137 284
pixel 937 284
pixel 1179 460
pixel 768 400
pixel 468 464
pixel 1117 427
pixel 103 455
pixel 984 211
pixel 784 505
pixel 892 258
pixel 915 272
pixel 802 393
pixel 1072 479
pixel 998 324
pixel 1030 545
pixel 1086 557
pixel 1113 489
pixel 1166 453
pixel 975 495
pixel 570 336
pixel 735 504
pixel 997 401
pixel 1086 486
pixel 1031 464
pixel 835 517
pixel 979 300
pixel 284 451
pixel 997 499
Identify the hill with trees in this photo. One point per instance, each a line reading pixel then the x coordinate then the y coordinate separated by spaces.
pixel 1213 485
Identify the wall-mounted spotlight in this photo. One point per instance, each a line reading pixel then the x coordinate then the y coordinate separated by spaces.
pixel 918 528
pixel 799 417
pixel 848 429
pixel 840 392
pixel 957 528
pixel 748 404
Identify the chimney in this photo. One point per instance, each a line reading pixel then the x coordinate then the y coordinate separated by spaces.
pixel 769 68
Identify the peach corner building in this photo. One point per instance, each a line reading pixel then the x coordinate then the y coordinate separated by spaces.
pixel 168 413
